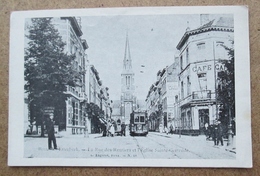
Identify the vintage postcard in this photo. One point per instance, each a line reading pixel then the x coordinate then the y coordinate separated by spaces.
pixel 130 87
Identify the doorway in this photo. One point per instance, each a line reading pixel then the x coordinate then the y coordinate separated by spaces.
pixel 203 119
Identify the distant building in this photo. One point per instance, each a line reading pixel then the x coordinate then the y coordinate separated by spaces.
pixel 121 109
pixel 98 95
pixel 160 100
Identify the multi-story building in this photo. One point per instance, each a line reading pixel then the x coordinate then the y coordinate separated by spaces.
pixel 152 110
pixel 200 53
pixel 170 106
pixel 98 95
pixel 160 100
pixel 74 118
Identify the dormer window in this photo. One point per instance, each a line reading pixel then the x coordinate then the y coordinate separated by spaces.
pixel 201 45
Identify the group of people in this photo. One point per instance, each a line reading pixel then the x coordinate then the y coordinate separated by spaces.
pixel 166 129
pixel 216 132
pixel 112 128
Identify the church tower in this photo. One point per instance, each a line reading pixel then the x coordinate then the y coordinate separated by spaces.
pixel 127 85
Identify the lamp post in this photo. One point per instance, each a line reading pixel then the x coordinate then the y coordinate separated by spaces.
pixel 229 143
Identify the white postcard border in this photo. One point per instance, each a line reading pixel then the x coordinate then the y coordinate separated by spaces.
pixel 242 81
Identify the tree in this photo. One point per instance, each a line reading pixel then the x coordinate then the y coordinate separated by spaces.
pixel 48 69
pixel 94 113
pixel 226 88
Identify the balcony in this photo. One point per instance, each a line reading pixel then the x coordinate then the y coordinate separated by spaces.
pixel 79 95
pixel 201 95
pixel 82 96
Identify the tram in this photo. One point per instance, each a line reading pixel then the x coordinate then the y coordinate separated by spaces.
pixel 138 124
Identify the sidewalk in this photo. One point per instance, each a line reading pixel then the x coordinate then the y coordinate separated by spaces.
pixel 64 135
pixel 201 140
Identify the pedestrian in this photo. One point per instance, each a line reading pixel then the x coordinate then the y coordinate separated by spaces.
pixel 104 130
pixel 215 133
pixel 166 130
pixel 123 129
pixel 108 128
pixel 210 131
pixel 112 130
pixel 160 128
pixel 206 130
pixel 220 133
pixel 51 136
pixel 171 129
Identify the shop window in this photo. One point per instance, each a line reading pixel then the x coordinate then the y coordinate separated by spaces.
pixel 189 119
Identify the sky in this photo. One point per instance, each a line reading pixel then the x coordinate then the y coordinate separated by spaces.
pixel 152 39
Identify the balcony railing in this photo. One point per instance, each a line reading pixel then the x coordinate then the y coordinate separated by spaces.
pixel 80 95
pixel 201 95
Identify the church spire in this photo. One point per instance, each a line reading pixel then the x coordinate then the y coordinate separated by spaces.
pixel 127 57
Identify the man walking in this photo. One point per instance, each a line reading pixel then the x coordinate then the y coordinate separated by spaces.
pixel 220 133
pixel 123 129
pixel 215 133
pixel 50 130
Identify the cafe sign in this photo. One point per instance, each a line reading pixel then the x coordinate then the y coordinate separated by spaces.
pixel 207 67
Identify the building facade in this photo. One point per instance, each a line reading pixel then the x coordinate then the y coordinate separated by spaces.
pixel 160 101
pixel 185 92
pixel 200 53
pixel 74 118
pixel 99 97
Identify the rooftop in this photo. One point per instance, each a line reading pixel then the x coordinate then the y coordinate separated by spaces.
pixel 220 24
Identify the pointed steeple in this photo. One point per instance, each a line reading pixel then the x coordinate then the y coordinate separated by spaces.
pixel 127 57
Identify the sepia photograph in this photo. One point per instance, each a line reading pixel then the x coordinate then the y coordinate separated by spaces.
pixel 130 87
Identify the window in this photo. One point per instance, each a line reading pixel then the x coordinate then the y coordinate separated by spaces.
pixel 187 56
pixel 202 81
pixel 181 62
pixel 141 118
pixel 137 119
pixel 182 90
pixel 189 119
pixel 176 99
pixel 71 46
pixel 201 46
pixel 220 50
pixel 188 85
pixel 70 115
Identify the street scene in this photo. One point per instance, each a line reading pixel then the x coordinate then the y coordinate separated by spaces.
pixel 130 87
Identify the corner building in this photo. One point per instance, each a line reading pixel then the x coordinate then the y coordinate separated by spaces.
pixel 200 53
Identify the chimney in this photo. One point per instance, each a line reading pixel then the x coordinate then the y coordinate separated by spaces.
pixel 204 19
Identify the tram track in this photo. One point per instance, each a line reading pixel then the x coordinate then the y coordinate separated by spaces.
pixel 154 141
pixel 138 146
pixel 194 153
pixel 183 148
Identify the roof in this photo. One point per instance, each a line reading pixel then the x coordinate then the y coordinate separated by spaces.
pixel 221 24
pixel 75 25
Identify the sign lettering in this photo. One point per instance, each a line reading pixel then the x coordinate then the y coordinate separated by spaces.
pixel 205 68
